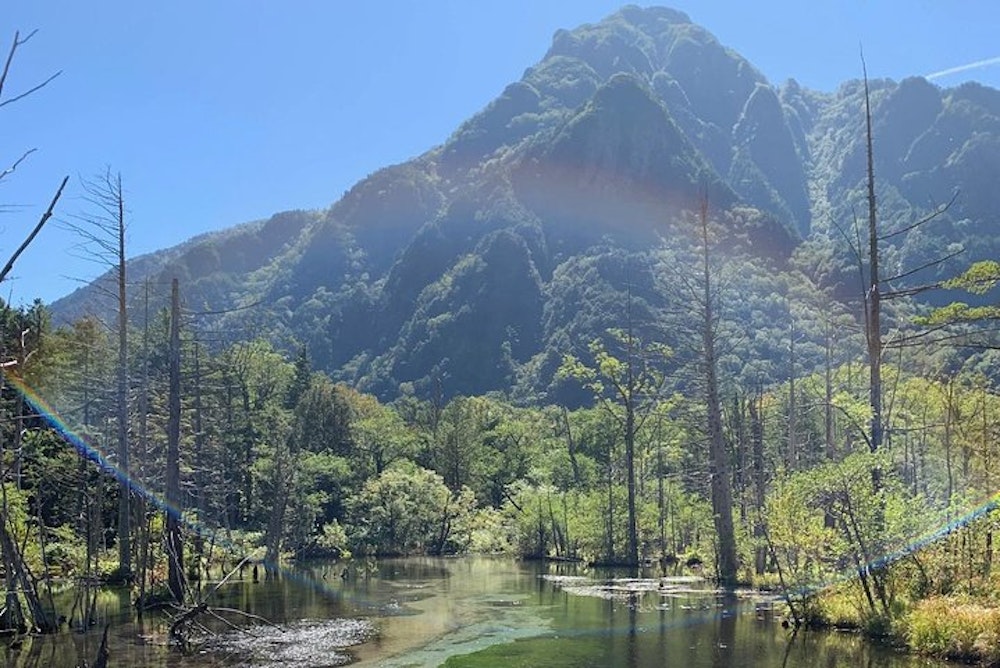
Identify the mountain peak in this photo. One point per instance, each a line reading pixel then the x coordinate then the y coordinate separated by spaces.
pixel 455 268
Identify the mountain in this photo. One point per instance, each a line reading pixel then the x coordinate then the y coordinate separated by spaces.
pixel 475 266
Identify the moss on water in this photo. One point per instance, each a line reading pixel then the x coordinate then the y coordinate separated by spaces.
pixel 532 652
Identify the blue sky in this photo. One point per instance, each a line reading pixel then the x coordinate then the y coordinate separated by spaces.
pixel 218 112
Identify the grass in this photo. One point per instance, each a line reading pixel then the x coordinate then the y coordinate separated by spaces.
pixel 954 629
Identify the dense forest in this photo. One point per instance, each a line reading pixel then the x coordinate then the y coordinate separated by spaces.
pixel 675 354
pixel 681 420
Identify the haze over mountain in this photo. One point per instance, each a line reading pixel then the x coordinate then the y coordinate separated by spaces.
pixel 474 266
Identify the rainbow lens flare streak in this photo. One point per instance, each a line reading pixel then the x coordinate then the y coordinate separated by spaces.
pixel 47 412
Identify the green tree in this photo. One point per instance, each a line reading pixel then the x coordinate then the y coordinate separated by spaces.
pixel 410 510
pixel 628 387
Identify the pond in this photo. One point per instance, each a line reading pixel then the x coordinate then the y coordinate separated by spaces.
pixel 469 611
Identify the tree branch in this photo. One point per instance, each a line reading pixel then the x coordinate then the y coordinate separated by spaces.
pixel 926 265
pixel 38 228
pixel 10 170
pixel 926 219
pixel 6 70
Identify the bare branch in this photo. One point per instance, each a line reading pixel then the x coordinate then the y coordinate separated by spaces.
pixel 98 229
pixel 928 265
pixel 10 170
pixel 38 228
pixel 925 219
pixel 6 70
pixel 28 92
pixel 910 292
pixel 10 56
pixel 910 338
pixel 244 307
pixel 958 336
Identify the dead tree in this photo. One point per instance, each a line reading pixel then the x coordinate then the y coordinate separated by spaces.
pixel 175 545
pixel 101 231
pixel 720 483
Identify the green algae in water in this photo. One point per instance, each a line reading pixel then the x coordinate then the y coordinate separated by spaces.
pixel 636 623
pixel 485 623
pixel 533 652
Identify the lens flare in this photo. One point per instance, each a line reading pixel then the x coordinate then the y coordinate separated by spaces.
pixel 45 411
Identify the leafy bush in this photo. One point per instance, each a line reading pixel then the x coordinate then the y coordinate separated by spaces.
pixel 409 510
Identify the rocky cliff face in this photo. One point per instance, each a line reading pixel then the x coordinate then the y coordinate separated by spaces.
pixel 471 266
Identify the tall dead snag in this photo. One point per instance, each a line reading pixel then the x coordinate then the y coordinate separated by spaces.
pixel 874 282
pixel 873 300
pixel 721 487
pixel 629 390
pixel 632 545
pixel 102 240
pixel 175 546
pixel 125 492
pixel 873 295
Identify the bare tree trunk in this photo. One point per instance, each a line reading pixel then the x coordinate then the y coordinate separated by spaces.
pixel 175 545
pixel 660 505
pixel 124 490
pixel 793 427
pixel 759 477
pixel 611 505
pixel 722 493
pixel 873 320
pixel 571 446
pixel 633 531
pixel 276 522
pixel 141 506
pixel 200 479
pixel 831 451
pixel 12 616
pixel 949 413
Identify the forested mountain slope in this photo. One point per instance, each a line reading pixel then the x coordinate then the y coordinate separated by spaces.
pixel 476 265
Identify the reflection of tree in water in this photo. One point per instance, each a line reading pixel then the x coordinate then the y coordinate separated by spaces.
pixel 788 647
pixel 633 645
pixel 725 642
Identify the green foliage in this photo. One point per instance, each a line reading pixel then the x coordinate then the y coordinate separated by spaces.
pixel 978 279
pixel 333 541
pixel 832 521
pixel 409 510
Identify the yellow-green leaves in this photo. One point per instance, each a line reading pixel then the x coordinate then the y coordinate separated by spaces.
pixel 978 279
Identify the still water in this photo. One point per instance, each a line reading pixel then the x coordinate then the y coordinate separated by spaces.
pixel 471 611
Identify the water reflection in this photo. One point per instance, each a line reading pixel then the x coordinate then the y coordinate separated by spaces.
pixel 726 636
pixel 472 611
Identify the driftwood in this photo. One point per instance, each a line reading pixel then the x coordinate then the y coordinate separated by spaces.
pixel 187 624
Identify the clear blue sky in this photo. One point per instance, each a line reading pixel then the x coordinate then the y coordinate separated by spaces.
pixel 218 112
